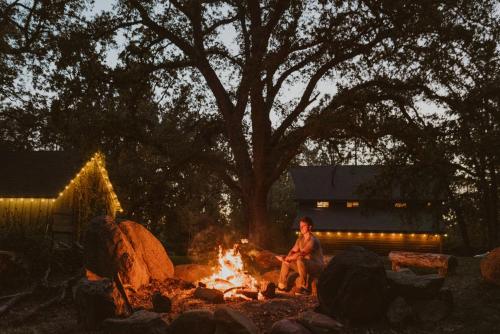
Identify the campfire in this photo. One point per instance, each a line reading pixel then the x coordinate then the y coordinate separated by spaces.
pixel 230 276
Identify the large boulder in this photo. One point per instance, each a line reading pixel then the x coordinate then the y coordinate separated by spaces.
pixel 149 249
pixel 490 267
pixel 193 321
pixel 354 287
pixel 126 249
pixel 97 300
pixel 141 322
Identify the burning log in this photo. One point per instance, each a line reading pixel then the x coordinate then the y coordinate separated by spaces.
pixel 230 275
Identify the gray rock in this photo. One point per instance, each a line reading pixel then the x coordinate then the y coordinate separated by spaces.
pixel 194 321
pixel 161 303
pixel 399 311
pixel 229 321
pixel 319 323
pixel 409 285
pixel 141 322
pixel 213 296
pixel 96 300
pixel 289 326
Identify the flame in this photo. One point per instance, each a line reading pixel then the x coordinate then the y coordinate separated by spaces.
pixel 230 274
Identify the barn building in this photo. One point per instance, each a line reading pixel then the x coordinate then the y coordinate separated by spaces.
pixel 54 192
pixel 348 209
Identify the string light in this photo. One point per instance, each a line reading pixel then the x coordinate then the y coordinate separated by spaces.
pixel 96 158
pixel 380 235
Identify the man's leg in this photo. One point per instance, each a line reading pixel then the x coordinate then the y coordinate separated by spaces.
pixel 285 268
pixel 302 270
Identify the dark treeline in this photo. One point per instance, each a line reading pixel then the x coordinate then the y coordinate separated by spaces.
pixel 202 106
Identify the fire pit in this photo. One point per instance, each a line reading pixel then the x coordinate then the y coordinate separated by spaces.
pixel 231 278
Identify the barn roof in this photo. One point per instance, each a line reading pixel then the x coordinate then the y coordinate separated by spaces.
pixel 347 182
pixel 37 173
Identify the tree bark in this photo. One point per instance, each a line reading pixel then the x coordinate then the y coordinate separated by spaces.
pixel 257 217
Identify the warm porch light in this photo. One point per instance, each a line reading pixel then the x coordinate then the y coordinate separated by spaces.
pixel 400 205
pixel 322 204
pixel 352 204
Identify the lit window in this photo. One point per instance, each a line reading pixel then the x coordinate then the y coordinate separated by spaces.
pixel 322 204
pixel 352 204
pixel 400 205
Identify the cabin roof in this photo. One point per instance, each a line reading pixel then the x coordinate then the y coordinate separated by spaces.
pixel 32 174
pixel 347 182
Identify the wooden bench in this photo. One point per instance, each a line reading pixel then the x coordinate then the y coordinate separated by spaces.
pixel 442 262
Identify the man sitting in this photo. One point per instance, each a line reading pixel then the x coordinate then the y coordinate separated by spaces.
pixel 305 257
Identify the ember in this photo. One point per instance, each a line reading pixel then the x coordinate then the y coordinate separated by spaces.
pixel 230 275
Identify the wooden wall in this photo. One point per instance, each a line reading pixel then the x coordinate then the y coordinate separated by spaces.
pixel 26 214
pixel 87 196
pixel 381 244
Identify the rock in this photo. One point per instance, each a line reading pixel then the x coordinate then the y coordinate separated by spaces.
pixel 319 323
pixel 268 289
pixel 150 249
pixel 229 321
pixel 194 321
pixel 97 300
pixel 289 326
pixel 264 260
pixel 128 249
pixel 161 303
pixel 435 309
pixel 192 272
pixel 213 296
pixel 409 285
pixel 354 287
pixel 141 322
pixel 490 267
pixel 274 276
pixel 399 311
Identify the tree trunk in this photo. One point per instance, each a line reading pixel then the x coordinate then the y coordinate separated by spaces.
pixel 257 217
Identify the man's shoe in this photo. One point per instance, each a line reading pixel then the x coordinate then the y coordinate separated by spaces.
pixel 302 292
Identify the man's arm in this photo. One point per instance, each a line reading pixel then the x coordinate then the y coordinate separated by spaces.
pixel 294 252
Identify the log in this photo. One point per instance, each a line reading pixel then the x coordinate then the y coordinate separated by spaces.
pixel 249 293
pixel 444 263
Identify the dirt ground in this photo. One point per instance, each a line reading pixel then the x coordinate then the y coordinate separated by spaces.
pixel 476 310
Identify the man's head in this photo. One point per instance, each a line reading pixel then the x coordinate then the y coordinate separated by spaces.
pixel 305 225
